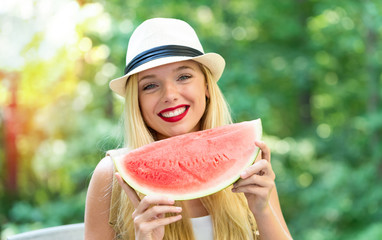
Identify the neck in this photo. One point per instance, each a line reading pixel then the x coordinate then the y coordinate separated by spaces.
pixel 195 208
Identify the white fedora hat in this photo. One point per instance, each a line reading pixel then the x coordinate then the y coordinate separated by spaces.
pixel 160 41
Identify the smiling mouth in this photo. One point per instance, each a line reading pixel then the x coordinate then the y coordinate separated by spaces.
pixel 174 114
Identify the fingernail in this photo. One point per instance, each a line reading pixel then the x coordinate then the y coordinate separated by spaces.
pixel 243 174
pixel 178 209
pixel 171 201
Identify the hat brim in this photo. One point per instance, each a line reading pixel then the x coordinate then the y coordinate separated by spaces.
pixel 213 61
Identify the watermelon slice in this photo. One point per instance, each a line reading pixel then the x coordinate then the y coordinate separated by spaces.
pixel 191 165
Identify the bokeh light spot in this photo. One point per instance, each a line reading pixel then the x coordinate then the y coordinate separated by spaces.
pixel 85 44
pixel 239 33
pixel 305 179
pixel 204 14
pixel 324 130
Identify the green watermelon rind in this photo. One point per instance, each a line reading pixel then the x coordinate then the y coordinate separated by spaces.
pixel 132 183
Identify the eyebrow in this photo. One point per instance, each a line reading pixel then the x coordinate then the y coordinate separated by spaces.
pixel 147 77
pixel 175 70
pixel 182 67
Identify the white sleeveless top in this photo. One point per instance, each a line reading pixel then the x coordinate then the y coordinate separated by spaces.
pixel 202 227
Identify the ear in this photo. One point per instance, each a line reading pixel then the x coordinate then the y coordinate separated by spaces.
pixel 207 92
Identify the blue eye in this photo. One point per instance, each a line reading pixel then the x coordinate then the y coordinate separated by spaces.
pixel 149 86
pixel 184 77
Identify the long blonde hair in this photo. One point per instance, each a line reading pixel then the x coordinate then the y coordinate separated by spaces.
pixel 230 214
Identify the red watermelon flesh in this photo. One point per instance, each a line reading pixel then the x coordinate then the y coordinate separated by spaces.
pixel 191 165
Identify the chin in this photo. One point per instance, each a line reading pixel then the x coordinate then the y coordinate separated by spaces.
pixel 176 132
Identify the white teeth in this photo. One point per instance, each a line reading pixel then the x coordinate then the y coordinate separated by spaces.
pixel 174 113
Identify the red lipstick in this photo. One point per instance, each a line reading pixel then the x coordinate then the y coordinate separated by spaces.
pixel 172 114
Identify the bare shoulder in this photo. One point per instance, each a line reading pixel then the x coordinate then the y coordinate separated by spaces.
pixel 98 202
pixel 104 168
pixel 101 181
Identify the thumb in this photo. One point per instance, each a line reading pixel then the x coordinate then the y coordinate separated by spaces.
pixel 131 193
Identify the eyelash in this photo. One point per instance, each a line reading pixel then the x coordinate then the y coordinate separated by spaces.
pixel 180 78
pixel 149 86
pixel 184 77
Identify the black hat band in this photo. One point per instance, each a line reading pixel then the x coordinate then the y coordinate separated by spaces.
pixel 161 52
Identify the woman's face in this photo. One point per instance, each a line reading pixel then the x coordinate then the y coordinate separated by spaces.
pixel 172 98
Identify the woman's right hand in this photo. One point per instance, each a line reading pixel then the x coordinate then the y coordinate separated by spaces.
pixel 149 215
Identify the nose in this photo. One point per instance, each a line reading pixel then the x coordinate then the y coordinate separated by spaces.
pixel 170 92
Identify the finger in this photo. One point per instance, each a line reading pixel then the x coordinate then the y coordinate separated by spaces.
pixel 265 151
pixel 151 200
pixel 165 221
pixel 158 212
pixel 148 227
pixel 254 190
pixel 261 181
pixel 131 193
pixel 261 167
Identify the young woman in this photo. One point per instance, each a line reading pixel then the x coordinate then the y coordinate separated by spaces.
pixel 170 88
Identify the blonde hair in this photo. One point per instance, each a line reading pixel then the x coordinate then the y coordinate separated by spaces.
pixel 230 214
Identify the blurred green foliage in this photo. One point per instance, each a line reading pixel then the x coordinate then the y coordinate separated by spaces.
pixel 312 70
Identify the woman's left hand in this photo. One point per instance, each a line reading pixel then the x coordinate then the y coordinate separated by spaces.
pixel 257 181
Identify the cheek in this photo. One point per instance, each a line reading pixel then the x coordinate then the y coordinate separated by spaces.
pixel 145 107
pixel 201 100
